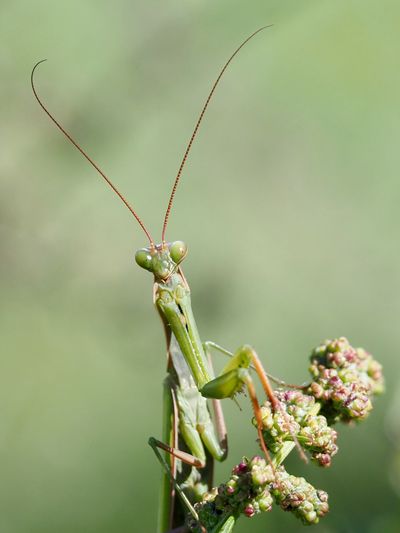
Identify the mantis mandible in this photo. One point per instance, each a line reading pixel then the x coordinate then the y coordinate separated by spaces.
pixel 190 382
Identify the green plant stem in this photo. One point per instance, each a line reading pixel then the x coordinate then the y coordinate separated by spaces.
pixel 165 505
pixel 284 451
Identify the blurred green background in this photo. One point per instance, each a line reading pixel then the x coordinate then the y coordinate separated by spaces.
pixel 289 205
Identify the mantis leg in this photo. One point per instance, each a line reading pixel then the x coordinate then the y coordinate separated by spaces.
pixel 208 345
pixel 219 418
pixel 195 423
pixel 187 458
pixel 155 445
pixel 227 523
pixel 235 375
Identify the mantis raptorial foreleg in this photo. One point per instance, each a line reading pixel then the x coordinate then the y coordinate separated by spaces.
pixel 195 423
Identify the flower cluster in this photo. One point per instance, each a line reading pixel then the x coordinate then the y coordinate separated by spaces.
pixel 246 492
pixel 344 380
pixel 295 494
pixel 298 418
pixel 252 488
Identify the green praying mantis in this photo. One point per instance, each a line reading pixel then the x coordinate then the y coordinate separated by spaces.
pixel 192 437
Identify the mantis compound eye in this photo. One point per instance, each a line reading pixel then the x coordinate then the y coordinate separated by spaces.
pixel 178 251
pixel 143 259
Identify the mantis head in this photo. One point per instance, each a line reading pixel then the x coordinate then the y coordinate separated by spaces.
pixel 162 259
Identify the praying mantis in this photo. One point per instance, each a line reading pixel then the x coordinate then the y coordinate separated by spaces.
pixel 192 438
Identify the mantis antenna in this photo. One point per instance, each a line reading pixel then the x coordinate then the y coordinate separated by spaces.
pixel 196 129
pixel 185 156
pixel 82 151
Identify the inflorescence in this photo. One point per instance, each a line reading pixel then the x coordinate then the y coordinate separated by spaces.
pixel 253 487
pixel 344 380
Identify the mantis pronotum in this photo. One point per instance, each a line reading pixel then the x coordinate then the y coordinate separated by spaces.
pixel 191 436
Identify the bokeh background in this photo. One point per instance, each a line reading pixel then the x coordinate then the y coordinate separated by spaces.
pixel 289 204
